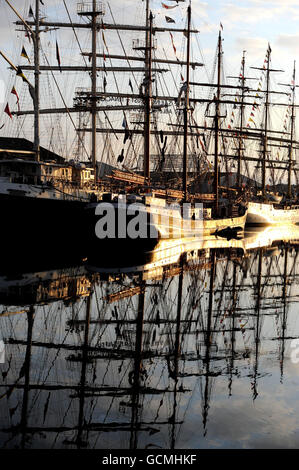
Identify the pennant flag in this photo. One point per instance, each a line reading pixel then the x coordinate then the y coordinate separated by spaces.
pixel 104 83
pixel 31 88
pixel 104 40
pixel 131 86
pixel 30 11
pixel 174 48
pixel 169 20
pixel 168 7
pixel 14 92
pixel 58 57
pixel 7 111
pixel 42 2
pixel 24 54
pixel 124 124
pixel 221 26
pixel 27 35
pixel 121 156
pixel 20 74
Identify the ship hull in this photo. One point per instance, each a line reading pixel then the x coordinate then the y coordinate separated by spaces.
pixel 160 224
pixel 261 214
pixel 37 229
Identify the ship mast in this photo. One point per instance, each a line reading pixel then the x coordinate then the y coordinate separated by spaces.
pixel 148 89
pixel 36 146
pixel 292 132
pixel 265 147
pixel 94 89
pixel 93 10
pixel 217 116
pixel 242 109
pixel 186 110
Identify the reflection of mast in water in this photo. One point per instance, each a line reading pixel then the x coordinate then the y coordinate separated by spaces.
pixel 174 374
pixel 138 371
pixel 282 337
pixel 197 312
pixel 257 326
pixel 208 339
pixel 25 371
pixel 81 391
pixel 233 329
pixel 284 315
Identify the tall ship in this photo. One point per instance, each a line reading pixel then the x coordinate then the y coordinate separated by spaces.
pixel 39 182
pixel 269 148
pixel 271 208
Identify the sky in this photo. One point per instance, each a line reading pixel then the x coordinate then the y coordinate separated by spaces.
pixel 248 25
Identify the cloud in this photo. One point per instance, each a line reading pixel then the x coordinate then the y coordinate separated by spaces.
pixel 233 13
pixel 289 41
pixel 251 44
pixel 285 3
pixel 256 12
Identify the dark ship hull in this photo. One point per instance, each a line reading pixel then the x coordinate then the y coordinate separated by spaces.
pixel 40 228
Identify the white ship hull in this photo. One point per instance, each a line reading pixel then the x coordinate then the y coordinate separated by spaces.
pixel 267 214
pixel 160 220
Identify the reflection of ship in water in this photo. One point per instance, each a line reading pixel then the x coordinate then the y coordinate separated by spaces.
pixel 124 358
pixel 43 287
